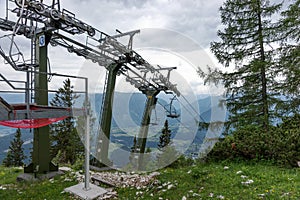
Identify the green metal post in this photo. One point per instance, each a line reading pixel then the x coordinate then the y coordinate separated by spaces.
pixel 143 133
pixel 105 124
pixel 41 161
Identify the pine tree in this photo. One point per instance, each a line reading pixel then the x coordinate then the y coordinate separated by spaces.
pixel 15 155
pixel 8 160
pixel 251 89
pixel 165 137
pixel 63 134
pixel 167 152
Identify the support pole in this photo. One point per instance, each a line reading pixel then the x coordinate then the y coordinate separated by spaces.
pixel 105 124
pixel 87 141
pixel 41 161
pixel 143 133
pixel 86 190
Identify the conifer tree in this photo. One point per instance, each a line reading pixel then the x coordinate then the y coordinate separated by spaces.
pixel 246 43
pixel 8 160
pixel 290 58
pixel 167 152
pixel 15 154
pixel 63 134
pixel 165 137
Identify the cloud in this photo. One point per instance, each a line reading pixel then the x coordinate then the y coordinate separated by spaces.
pixel 194 20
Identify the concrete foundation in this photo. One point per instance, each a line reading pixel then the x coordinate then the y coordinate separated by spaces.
pixel 37 177
pixel 93 192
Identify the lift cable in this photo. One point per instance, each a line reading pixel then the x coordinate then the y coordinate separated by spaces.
pixel 190 105
pixel 175 118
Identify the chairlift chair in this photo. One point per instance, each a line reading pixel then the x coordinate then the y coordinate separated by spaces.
pixel 172 113
pixel 155 122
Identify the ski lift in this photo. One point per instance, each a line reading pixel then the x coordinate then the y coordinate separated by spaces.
pixel 172 113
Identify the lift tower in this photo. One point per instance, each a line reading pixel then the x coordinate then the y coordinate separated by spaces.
pixel 52 25
pixel 41 160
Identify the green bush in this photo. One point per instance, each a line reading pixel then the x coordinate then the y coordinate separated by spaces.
pixel 281 144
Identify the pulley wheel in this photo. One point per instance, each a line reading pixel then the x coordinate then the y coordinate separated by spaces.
pixel 55 14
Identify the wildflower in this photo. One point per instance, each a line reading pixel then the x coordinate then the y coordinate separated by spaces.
pixel 211 195
pixel 248 182
pixel 183 198
pixel 242 176
pixel 239 172
pixel 220 197
pixel 3 188
pixel 190 171
pixel 286 194
pixel 170 186
pixel 65 180
pixel 195 194
pixel 226 167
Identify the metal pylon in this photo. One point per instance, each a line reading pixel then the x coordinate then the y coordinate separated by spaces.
pixel 106 118
pixel 143 133
pixel 41 160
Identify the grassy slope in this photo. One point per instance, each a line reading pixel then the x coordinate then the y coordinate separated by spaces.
pixel 194 182
pixel 49 189
pixel 212 181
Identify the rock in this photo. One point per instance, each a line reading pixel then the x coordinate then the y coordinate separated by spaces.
pixel 119 179
pixel 65 169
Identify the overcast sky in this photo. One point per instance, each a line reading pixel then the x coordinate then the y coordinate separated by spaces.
pixel 197 21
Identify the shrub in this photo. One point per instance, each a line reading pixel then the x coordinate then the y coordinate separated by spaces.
pixel 280 144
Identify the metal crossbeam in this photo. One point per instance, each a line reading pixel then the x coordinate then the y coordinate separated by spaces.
pixel 99 47
pixel 45 24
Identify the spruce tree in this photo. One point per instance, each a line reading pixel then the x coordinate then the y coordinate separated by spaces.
pixel 15 154
pixel 8 160
pixel 246 43
pixel 165 137
pixel 167 152
pixel 63 134
pixel 290 58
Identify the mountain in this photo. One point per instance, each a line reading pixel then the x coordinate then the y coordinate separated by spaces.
pixel 128 110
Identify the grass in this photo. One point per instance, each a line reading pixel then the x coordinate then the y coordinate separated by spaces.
pixel 222 181
pixel 48 189
pixel 202 181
